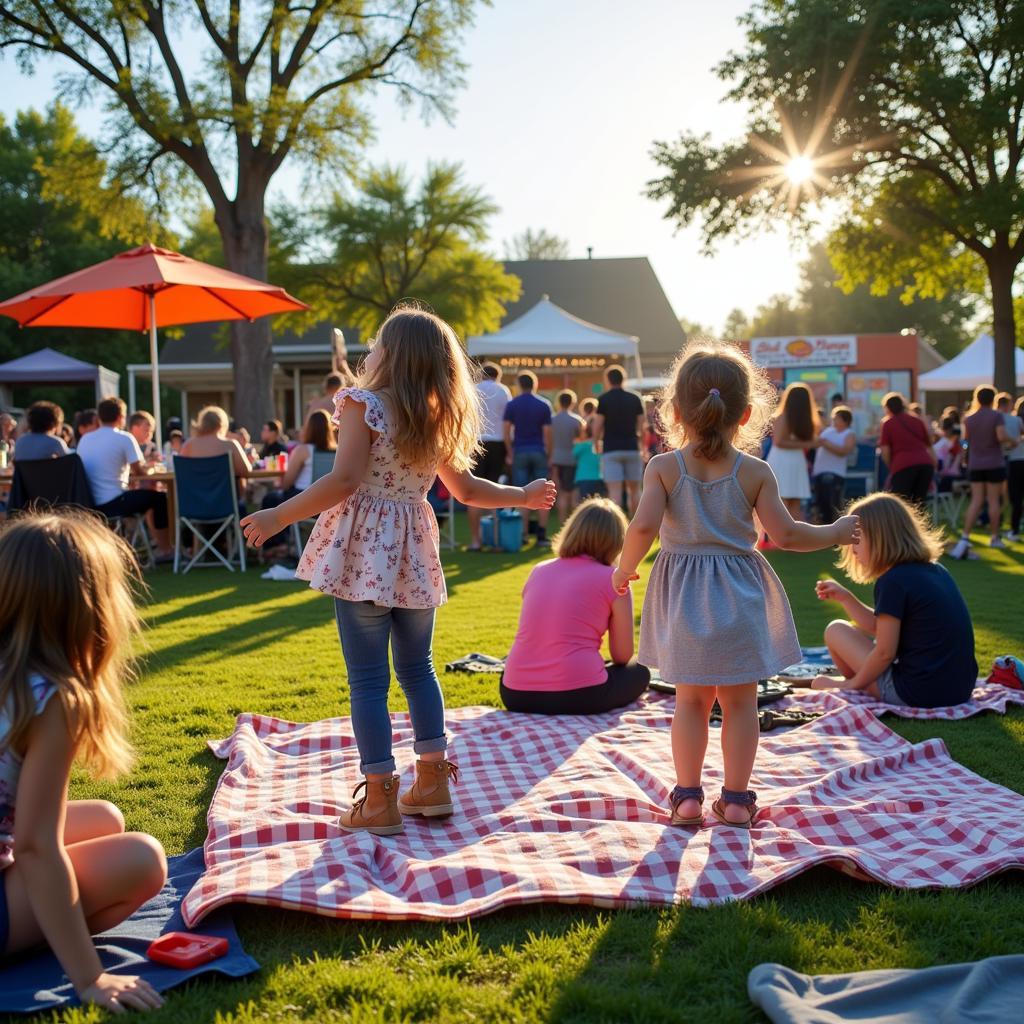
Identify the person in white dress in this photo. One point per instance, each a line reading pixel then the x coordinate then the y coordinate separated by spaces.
pixel 795 428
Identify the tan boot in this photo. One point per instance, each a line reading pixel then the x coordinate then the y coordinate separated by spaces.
pixel 385 822
pixel 430 795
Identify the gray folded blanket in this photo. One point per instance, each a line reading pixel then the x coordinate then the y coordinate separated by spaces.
pixel 987 992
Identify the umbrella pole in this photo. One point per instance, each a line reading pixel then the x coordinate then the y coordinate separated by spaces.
pixel 154 369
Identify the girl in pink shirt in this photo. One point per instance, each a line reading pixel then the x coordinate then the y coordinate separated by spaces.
pixel 555 666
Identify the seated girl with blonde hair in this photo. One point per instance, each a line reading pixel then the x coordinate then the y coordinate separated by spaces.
pixel 555 666
pixel 916 646
pixel 68 869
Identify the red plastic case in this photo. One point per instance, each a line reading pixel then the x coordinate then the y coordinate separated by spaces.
pixel 184 949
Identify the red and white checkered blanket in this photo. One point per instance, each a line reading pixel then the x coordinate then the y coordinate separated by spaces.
pixel 573 810
pixel 986 697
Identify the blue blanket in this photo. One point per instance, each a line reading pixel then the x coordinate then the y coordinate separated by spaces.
pixel 37 982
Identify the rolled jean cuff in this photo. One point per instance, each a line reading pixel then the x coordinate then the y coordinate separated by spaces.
pixel 379 767
pixel 430 746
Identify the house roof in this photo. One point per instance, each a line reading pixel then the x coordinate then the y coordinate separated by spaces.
pixel 208 343
pixel 620 294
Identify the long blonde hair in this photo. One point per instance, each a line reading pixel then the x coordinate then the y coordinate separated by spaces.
pixel 432 388
pixel 896 532
pixel 711 384
pixel 597 527
pixel 67 613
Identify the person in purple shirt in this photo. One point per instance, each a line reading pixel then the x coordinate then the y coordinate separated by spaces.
pixel 986 437
pixel 528 443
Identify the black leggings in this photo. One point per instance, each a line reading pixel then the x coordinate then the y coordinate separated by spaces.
pixel 828 495
pixel 912 483
pixel 1015 485
pixel 624 684
pixel 137 503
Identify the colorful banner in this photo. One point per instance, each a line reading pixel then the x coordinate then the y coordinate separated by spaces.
pixel 827 350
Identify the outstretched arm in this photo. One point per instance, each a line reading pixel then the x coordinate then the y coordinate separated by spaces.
pixel 473 490
pixel 785 531
pixel 644 527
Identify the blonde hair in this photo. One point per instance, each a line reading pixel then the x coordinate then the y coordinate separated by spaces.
pixel 67 613
pixel 211 420
pixel 597 528
pixel 711 385
pixel 432 388
pixel 896 532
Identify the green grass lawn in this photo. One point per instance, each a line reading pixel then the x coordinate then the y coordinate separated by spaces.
pixel 219 644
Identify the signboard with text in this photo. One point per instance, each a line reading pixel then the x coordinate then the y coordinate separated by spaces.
pixel 825 350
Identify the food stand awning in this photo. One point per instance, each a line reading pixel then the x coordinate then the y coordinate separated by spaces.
pixel 547 330
pixel 974 366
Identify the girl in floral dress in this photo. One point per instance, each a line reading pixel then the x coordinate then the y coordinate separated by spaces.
pixel 412 418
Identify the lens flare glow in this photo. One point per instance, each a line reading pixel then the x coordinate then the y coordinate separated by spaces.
pixel 799 169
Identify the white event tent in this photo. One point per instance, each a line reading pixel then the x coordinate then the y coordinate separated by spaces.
pixel 965 371
pixel 547 330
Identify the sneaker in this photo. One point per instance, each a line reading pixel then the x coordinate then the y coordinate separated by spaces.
pixel 1011 536
pixel 996 542
pixel 960 549
pixel 543 542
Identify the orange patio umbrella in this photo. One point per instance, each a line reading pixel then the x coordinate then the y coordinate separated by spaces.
pixel 143 289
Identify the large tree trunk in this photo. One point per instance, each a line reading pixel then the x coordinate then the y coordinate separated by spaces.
pixel 243 230
pixel 1001 269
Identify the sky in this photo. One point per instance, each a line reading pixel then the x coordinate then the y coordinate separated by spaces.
pixel 563 102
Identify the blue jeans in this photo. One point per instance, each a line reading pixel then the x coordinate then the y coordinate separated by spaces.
pixel 527 466
pixel 365 630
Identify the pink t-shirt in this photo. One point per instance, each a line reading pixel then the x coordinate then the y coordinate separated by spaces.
pixel 567 604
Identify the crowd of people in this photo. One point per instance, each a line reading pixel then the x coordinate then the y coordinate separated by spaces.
pixel 119 455
pixel 715 618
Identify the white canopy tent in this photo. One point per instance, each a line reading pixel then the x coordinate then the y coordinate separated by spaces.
pixel 965 371
pixel 548 331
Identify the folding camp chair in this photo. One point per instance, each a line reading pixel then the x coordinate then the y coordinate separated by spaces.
pixel 323 463
pixel 50 483
pixel 135 533
pixel 862 476
pixel 206 497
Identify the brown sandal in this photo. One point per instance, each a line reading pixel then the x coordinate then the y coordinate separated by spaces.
pixel 746 799
pixel 681 793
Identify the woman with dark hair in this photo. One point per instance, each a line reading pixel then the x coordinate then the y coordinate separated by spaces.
pixel 906 447
pixel 986 437
pixel 795 428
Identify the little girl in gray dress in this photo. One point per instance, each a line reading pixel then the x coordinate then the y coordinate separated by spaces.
pixel 716 617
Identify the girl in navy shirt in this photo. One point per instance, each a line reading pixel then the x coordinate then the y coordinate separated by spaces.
pixel 916 646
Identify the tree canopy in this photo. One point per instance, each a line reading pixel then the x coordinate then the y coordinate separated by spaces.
pixel 536 245
pixel 389 241
pixel 230 92
pixel 820 306
pixel 907 111
pixel 60 214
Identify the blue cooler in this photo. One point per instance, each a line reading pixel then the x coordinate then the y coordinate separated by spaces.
pixel 510 530
pixel 487 532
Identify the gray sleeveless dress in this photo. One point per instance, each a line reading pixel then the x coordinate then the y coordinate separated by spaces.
pixel 715 613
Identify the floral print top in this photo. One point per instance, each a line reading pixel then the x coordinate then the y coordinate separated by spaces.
pixel 381 543
pixel 10 770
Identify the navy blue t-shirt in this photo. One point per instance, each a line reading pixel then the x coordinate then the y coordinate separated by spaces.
pixel 935 664
pixel 529 415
